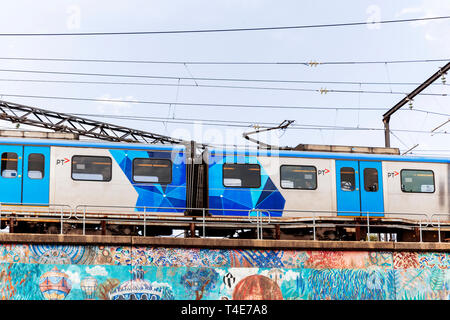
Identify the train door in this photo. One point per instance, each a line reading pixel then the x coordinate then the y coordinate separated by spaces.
pixel 36 172
pixel 11 174
pixel 24 174
pixel 359 188
pixel 347 188
pixel 371 188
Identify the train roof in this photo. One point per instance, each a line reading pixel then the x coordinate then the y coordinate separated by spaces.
pixel 328 155
pixel 90 144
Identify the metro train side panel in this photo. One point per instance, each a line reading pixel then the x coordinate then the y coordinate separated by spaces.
pixel 122 190
pixel 347 185
pixel 42 172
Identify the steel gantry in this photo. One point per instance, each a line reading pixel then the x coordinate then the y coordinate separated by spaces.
pixel 64 122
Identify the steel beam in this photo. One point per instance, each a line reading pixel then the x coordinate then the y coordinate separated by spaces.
pixel 62 122
pixel 409 97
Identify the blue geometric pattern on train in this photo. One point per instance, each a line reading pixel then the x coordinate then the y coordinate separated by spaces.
pixel 222 198
pixel 162 197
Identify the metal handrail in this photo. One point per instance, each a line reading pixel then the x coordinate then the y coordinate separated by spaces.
pixel 263 216
pixel 23 209
pixel 438 215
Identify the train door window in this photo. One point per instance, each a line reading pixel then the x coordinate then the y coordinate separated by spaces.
pixel 91 168
pixel 421 181
pixel 298 177
pixel 241 175
pixel 9 164
pixel 347 179
pixel 371 179
pixel 36 165
pixel 152 170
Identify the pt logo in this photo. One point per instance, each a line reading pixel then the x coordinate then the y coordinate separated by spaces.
pixel 62 161
pixel 323 172
pixel 392 174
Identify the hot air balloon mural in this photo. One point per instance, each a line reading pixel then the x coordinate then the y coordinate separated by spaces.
pixel 55 284
pixel 89 286
pixel 140 289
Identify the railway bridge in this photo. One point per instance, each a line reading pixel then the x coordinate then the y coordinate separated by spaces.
pixel 102 267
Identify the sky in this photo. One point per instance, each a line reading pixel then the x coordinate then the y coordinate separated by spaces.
pixel 372 42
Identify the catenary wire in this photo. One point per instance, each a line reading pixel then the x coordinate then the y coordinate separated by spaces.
pixel 216 30
pixel 310 63
pixel 193 103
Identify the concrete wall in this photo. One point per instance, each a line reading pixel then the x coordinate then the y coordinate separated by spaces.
pixel 39 270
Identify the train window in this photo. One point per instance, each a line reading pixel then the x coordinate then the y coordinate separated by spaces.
pixel 298 177
pixel 36 166
pixel 91 168
pixel 241 175
pixel 347 179
pixel 417 181
pixel 371 179
pixel 9 165
pixel 152 170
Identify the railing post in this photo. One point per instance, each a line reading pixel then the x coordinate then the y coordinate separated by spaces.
pixel 204 217
pixel 145 222
pixel 420 228
pixel 439 229
pixel 368 227
pixel 84 221
pixel 61 220
pixel 314 226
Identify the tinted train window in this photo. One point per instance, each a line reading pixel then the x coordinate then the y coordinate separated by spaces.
pixel 36 166
pixel 152 170
pixel 91 168
pixel 417 181
pixel 298 177
pixel 370 179
pixel 9 165
pixel 241 175
pixel 347 179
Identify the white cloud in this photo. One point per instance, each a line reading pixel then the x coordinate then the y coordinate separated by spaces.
pixel 97 271
pixel 74 277
pixel 291 275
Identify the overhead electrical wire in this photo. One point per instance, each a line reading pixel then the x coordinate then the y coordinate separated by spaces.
pixel 321 90
pixel 241 124
pixel 308 63
pixel 180 104
pixel 216 86
pixel 196 78
pixel 217 30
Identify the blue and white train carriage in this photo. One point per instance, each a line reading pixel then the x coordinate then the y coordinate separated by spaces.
pixel 109 177
pixel 301 184
pixel 96 174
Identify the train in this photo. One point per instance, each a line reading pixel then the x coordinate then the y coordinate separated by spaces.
pixel 282 187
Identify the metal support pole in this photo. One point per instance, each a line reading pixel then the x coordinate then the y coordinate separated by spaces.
pixel 408 98
pixel 420 231
pixel 192 230
pixel 62 220
pixel 368 227
pixel 387 135
pixel 204 217
pixel 314 226
pixel 84 221
pixel 439 229
pixel 145 222
pixel 103 226
pixel 11 223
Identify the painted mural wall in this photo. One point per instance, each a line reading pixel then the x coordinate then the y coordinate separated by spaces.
pixel 40 272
